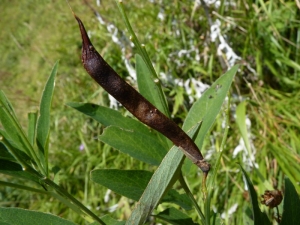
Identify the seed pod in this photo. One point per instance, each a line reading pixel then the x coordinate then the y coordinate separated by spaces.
pixel 134 102
pixel 272 198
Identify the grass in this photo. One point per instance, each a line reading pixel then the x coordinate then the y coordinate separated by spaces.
pixel 265 35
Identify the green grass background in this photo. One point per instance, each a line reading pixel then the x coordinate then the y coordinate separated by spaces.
pixel 266 34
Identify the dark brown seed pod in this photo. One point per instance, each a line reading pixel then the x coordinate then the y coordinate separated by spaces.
pixel 272 198
pixel 134 102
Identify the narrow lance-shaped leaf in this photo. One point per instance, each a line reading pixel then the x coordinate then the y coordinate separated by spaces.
pixel 32 118
pixel 4 154
pixel 241 122
pixel 6 103
pixel 129 183
pixel 144 144
pixel 132 183
pixel 43 123
pixel 161 181
pixel 14 131
pixel 208 106
pixel 147 83
pixel 143 53
pixel 4 150
pixel 205 107
pixel 141 146
pixel 14 134
pixel 149 87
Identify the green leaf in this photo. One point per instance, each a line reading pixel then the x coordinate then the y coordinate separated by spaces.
pixel 259 217
pixel 144 55
pixel 138 145
pixel 208 106
pixel 150 88
pixel 105 116
pixel 110 221
pixel 179 199
pixel 110 117
pixel 15 170
pixel 206 109
pixel 132 183
pixel 4 153
pixel 291 205
pixel 43 123
pixel 129 183
pixel 6 103
pixel 176 217
pixel 14 134
pixel 241 122
pixel 16 216
pixel 247 215
pixel 147 85
pixel 161 181
pixel 178 98
pixel 11 145
pixel 13 130
pixel 32 118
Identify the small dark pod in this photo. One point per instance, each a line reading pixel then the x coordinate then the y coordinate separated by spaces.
pixel 134 102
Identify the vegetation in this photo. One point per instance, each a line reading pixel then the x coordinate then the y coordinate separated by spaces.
pixel 257 128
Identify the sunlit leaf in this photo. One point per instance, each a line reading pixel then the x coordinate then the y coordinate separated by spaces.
pixel 141 146
pixel 32 119
pixel 206 109
pixel 110 117
pixel 162 179
pixel 110 221
pixel 43 123
pixel 208 106
pixel 147 85
pixel 129 183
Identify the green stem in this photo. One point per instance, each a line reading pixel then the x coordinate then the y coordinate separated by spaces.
pixel 207 208
pixel 190 195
